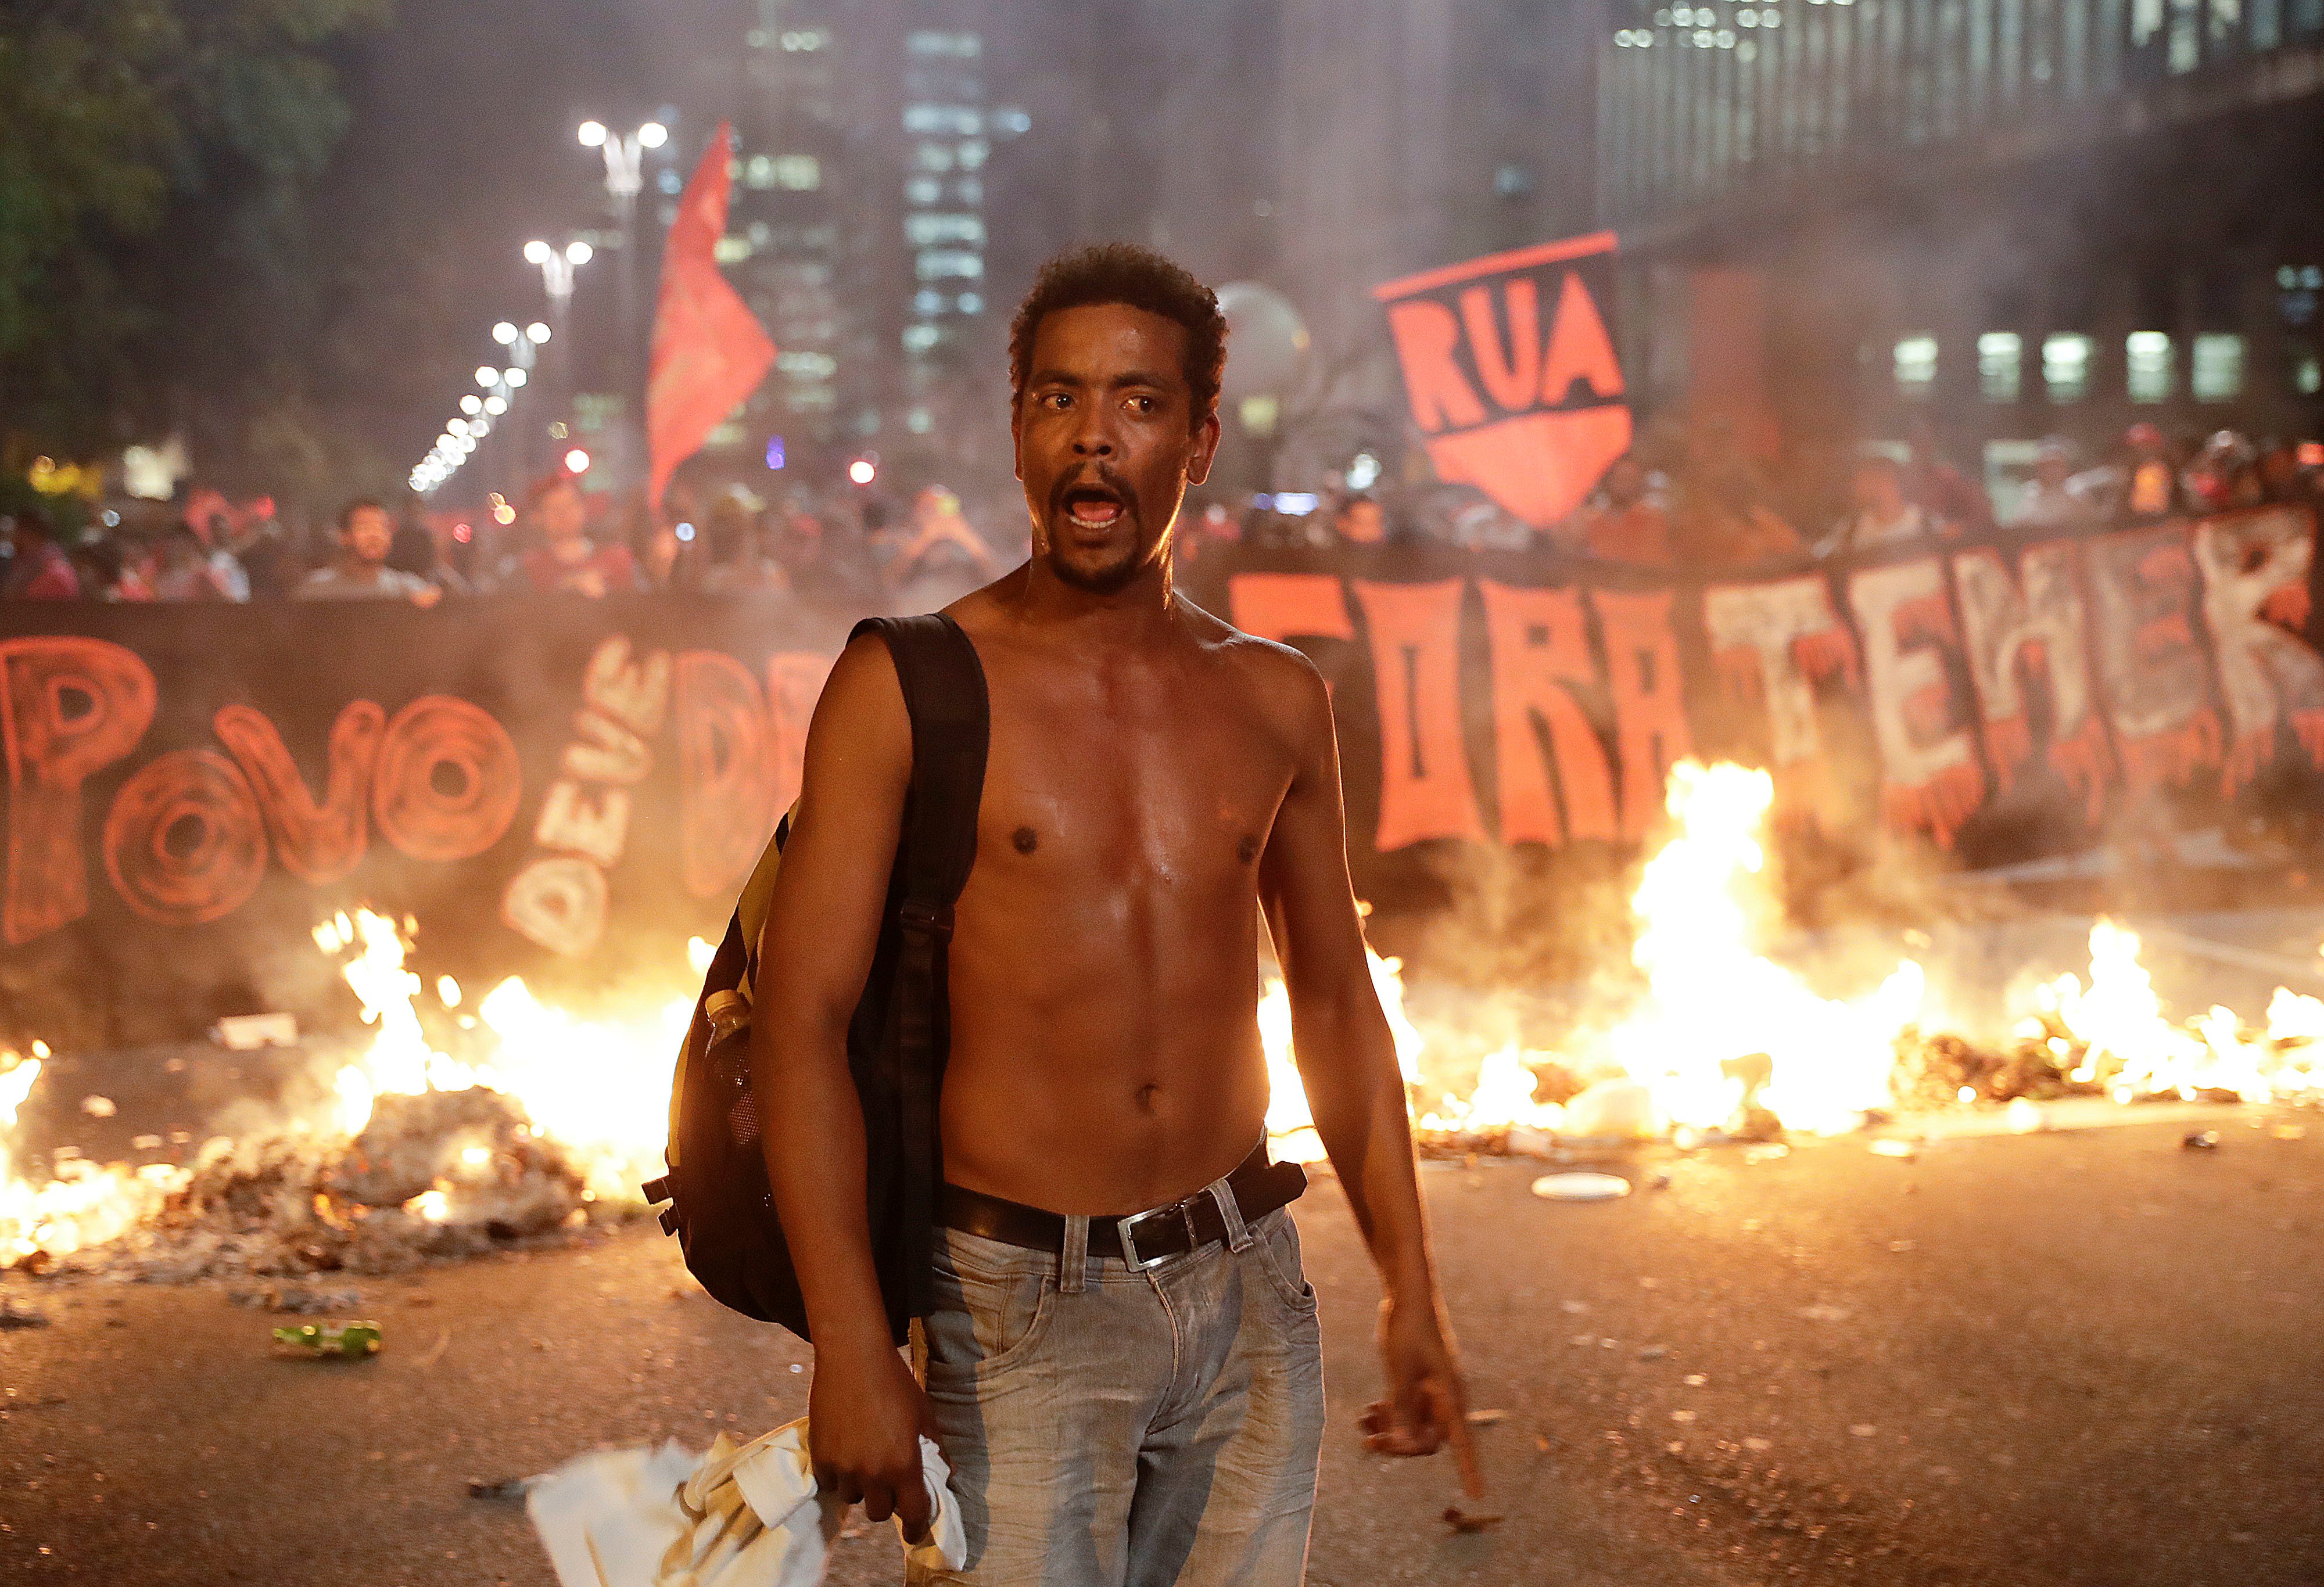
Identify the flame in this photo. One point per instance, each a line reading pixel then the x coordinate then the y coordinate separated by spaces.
pixel 86 1203
pixel 600 1088
pixel 2131 1047
pixel 1290 1125
pixel 1714 1005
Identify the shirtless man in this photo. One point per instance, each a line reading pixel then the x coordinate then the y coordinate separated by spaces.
pixel 1111 1419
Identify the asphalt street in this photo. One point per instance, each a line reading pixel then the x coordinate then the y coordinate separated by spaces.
pixel 2076 1358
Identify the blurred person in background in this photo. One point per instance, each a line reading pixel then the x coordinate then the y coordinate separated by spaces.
pixel 1213 529
pixel 2224 475
pixel 1622 521
pixel 181 569
pixel 728 558
pixel 1360 521
pixel 106 573
pixel 939 540
pixel 261 551
pixel 2052 500
pixel 361 571
pixel 1882 514
pixel 2141 486
pixel 39 570
pixel 1935 485
pixel 414 550
pixel 565 559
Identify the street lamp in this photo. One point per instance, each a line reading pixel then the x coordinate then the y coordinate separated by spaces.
pixel 624 155
pixel 557 267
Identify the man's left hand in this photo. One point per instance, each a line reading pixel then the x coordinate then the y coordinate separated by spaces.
pixel 1427 1406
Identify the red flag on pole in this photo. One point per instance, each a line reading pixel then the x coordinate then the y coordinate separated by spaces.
pixel 709 351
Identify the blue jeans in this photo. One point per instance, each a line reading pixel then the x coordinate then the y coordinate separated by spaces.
pixel 1110 1426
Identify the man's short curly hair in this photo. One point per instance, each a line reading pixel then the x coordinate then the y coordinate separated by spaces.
pixel 1125 272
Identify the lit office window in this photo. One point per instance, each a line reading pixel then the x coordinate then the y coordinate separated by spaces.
pixel 924 231
pixel 2218 373
pixel 801 173
pixel 940 263
pixel 2148 357
pixel 2066 366
pixel 2308 374
pixel 1999 358
pixel 1916 365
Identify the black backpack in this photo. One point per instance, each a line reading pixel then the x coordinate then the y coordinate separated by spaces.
pixel 720 1208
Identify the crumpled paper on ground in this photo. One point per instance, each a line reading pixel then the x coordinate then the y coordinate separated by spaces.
pixel 742 1516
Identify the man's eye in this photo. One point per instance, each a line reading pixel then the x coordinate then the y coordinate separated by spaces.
pixel 1057 400
pixel 1142 404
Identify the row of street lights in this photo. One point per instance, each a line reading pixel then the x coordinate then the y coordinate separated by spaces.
pixel 624 156
pixel 478 410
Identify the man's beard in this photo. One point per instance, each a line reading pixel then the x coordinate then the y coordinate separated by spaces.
pixel 1111 580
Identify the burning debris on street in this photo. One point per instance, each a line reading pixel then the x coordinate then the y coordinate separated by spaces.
pixel 545 1122
pixel 455 1134
pixel 1722 1042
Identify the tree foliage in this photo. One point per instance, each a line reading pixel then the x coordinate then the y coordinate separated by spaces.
pixel 154 269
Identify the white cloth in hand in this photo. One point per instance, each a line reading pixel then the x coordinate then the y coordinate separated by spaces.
pixel 742 1516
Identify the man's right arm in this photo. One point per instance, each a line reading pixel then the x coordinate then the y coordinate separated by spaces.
pixel 822 925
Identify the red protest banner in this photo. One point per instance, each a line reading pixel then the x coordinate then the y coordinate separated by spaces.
pixel 1511 374
pixel 709 351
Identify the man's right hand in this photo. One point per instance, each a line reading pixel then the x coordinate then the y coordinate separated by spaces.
pixel 865 1417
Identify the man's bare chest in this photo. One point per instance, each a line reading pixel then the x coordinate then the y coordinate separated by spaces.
pixel 1091 785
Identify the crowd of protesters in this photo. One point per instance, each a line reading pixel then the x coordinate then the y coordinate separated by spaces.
pixel 849 550
pixel 1701 500
pixel 1694 499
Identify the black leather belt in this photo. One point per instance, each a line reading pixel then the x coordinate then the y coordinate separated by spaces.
pixel 1139 1239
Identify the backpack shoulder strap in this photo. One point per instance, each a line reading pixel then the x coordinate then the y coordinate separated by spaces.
pixel 944 691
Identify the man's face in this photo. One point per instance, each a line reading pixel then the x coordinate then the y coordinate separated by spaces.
pixel 367 535
pixel 1107 441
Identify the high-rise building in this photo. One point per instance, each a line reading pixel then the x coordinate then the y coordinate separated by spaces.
pixel 2012 218
pixel 788 227
pixel 906 166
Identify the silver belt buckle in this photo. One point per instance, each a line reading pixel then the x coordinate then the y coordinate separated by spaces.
pixel 1129 1242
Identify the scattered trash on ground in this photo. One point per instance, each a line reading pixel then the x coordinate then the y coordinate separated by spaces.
pixel 1888 1147
pixel 507 1490
pixel 2200 1140
pixel 1460 1520
pixel 15 1314
pixel 352 1341
pixel 247 1033
pixel 1487 1418
pixel 98 1107
pixel 1581 1187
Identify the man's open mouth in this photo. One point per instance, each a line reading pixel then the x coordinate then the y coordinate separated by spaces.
pixel 1092 507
